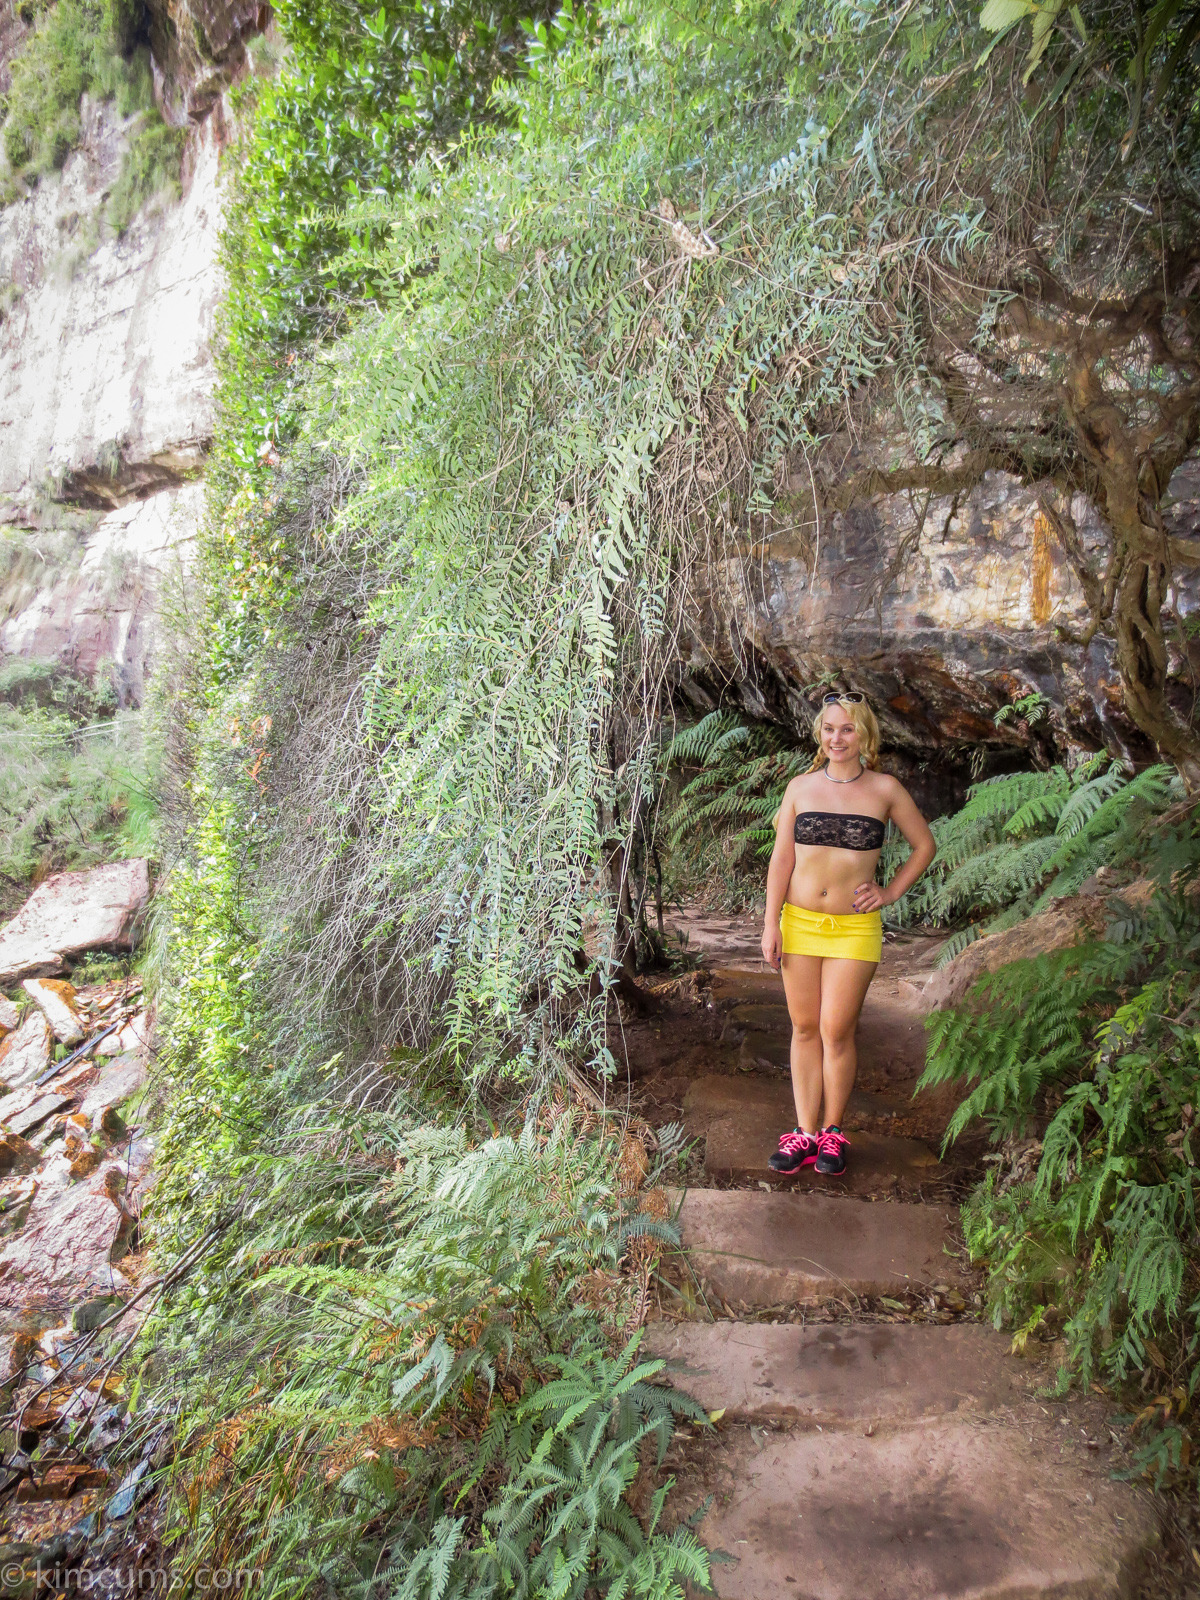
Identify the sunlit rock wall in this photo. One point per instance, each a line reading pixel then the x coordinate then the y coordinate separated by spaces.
pixel 106 375
pixel 942 609
pixel 93 598
pixel 106 368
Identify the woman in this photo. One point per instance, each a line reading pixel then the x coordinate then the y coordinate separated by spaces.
pixel 823 924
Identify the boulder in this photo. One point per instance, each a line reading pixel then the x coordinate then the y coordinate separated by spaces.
pixel 16 1196
pixel 25 1055
pixel 63 1255
pixel 92 1313
pixel 9 1016
pixel 108 1123
pixel 56 999
pixel 21 1099
pixel 117 1084
pixel 1068 923
pixel 15 1155
pixel 85 1161
pixel 71 913
pixel 42 1109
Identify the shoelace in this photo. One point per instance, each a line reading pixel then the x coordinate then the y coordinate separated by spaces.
pixel 793 1143
pixel 831 1139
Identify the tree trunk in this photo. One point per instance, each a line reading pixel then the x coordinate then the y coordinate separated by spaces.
pixel 1144 566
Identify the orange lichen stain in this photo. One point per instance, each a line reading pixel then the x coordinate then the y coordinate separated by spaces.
pixel 1043 565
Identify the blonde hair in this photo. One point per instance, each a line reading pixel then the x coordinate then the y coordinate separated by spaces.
pixel 866 727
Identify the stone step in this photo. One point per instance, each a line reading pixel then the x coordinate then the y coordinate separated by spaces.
pixel 749 982
pixel 764 1017
pixel 773 1249
pixel 842 1373
pixel 949 1509
pixel 742 1117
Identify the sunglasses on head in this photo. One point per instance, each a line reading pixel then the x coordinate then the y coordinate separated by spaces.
pixel 851 697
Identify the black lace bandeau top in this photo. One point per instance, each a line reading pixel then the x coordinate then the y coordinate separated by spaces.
pixel 839 831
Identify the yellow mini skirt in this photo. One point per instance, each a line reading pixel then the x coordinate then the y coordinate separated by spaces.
pixel 856 937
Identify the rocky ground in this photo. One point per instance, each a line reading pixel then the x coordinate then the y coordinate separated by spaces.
pixel 73 1169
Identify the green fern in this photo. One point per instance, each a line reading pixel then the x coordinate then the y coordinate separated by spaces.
pixel 428 1287
pixel 1024 839
pixel 744 769
pixel 1094 1224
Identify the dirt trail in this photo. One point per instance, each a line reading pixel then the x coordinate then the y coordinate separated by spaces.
pixel 876 1441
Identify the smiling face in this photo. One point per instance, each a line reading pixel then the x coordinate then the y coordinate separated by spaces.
pixel 839 736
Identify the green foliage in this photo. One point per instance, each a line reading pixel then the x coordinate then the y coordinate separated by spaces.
pixel 150 169
pixel 717 823
pixel 75 789
pixel 359 95
pixel 1108 41
pixel 218 1093
pixel 77 47
pixel 89 47
pixel 1025 838
pixel 1027 711
pixel 494 481
pixel 433 1335
pixel 564 353
pixel 1090 1226
pixel 744 769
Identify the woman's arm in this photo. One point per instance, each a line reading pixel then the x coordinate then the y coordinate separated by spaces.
pixel 903 812
pixel 779 875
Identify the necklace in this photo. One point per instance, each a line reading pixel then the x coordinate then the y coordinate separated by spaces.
pixel 854 779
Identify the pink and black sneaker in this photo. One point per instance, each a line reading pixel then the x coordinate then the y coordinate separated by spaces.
pixel 796 1150
pixel 832 1145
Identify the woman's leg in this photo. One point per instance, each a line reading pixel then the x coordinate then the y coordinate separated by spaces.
pixel 802 986
pixel 843 989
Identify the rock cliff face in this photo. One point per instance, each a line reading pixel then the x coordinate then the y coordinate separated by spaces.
pixel 92 600
pixel 198 46
pixel 105 364
pixel 941 607
pixel 106 370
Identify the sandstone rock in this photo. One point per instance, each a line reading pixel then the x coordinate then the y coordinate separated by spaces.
pixel 21 1351
pixel 101 611
pixel 943 1509
pixel 61 1482
pixel 91 1313
pixel 9 1016
pixel 1068 923
pixel 133 322
pixel 740 1119
pixel 76 1129
pixel 21 1099
pixel 107 1123
pixel 70 913
pixel 40 1111
pixel 16 1155
pixel 25 1055
pixel 16 1196
pixel 840 1374
pixel 85 1162
pixel 978 612
pixel 199 47
pixel 768 1249
pixel 63 1255
pixel 118 1083
pixel 56 998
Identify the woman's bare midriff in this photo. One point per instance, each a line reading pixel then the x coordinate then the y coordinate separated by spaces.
pixel 824 879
